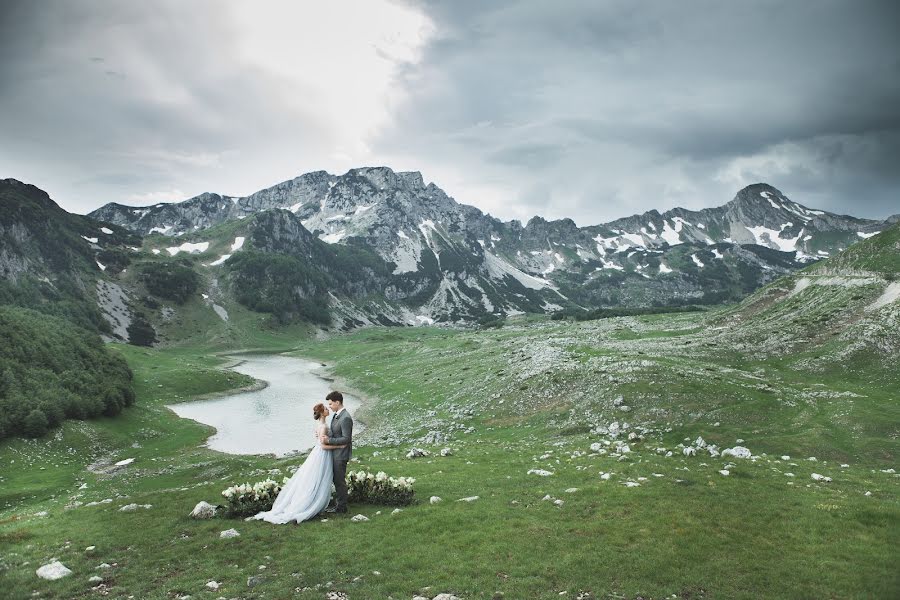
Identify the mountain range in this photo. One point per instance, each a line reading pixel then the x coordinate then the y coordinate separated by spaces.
pixel 377 246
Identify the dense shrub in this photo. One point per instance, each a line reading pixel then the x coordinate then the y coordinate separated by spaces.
pixel 52 370
pixel 35 424
pixel 141 332
pixel 171 280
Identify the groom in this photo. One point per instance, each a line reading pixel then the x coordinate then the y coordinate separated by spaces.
pixel 341 434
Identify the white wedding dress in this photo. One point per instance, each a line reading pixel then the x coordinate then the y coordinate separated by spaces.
pixel 307 493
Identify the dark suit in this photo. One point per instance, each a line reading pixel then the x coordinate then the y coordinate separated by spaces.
pixel 341 433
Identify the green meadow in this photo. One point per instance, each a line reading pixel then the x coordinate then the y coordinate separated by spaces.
pixel 535 395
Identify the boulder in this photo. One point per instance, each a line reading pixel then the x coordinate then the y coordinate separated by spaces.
pixel 417 453
pixel 54 570
pixel 737 452
pixel 229 533
pixel 203 510
pixel 359 519
pixel 434 499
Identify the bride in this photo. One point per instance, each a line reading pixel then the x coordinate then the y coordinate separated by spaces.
pixel 307 492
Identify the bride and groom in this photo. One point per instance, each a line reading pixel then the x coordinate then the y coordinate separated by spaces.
pixel 307 492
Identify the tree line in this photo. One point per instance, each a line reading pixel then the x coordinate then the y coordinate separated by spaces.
pixel 52 370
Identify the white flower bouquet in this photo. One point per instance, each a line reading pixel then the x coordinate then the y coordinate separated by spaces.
pixel 246 499
pixel 379 488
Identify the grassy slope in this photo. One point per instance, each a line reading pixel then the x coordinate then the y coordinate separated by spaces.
pixel 693 533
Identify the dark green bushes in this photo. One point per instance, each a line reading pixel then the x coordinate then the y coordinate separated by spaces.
pixel 171 280
pixel 52 370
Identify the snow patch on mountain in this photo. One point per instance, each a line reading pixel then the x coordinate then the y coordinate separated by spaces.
pixel 188 247
pixel 499 268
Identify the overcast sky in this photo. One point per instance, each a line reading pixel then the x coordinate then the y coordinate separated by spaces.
pixel 591 110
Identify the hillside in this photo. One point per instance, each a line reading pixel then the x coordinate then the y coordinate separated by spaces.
pixel 50 259
pixel 841 313
pixel 51 370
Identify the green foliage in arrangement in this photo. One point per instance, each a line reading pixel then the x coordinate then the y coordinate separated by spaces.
pixel 51 370
pixel 173 280
pixel 378 488
pixel 245 500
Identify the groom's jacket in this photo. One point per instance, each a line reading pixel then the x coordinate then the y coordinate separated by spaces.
pixel 341 433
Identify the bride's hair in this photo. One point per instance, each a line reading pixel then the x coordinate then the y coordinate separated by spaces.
pixel 318 411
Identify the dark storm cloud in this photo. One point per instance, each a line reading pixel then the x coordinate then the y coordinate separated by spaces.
pixel 667 102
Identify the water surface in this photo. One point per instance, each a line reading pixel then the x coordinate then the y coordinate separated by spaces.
pixel 277 419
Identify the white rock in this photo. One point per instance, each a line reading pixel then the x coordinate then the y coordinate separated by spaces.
pixel 213 585
pixel 596 447
pixel 737 452
pixel 789 475
pixel 445 597
pixel 203 510
pixel 359 518
pixel 446 452
pixel 468 499
pixel 725 472
pixel 785 457
pixel 845 466
pixel 396 510
pixel 571 490
pixel 605 476
pixel 417 453
pixel 817 477
pixel 90 548
pixel 129 508
pixel 127 461
pixel 689 451
pixel 54 570
pixel 540 472
pixel 700 442
pixel 229 533
pixel 95 579
pixel 631 484
pixel 558 502
pixel 434 499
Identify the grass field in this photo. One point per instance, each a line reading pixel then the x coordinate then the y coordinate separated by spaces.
pixel 534 395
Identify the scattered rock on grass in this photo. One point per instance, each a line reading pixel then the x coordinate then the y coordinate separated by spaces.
pixel 737 452
pixel 53 570
pixel 229 533
pixel 203 510
pixel 359 519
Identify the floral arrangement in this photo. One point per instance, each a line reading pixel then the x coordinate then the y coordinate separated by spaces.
pixel 245 499
pixel 378 488
pixel 363 487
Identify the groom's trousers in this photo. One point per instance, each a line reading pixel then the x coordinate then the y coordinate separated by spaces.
pixel 340 484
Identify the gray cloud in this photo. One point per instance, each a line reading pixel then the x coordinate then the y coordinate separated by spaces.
pixel 589 110
pixel 649 105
